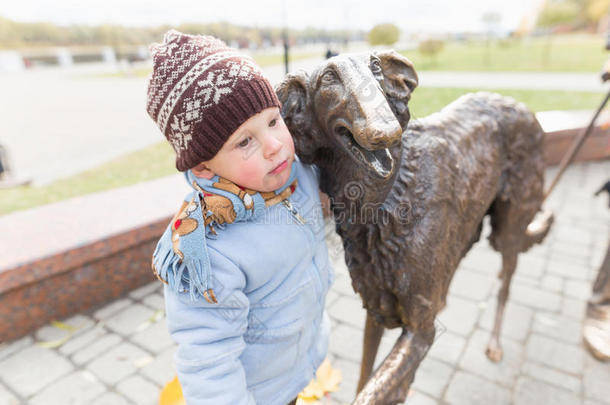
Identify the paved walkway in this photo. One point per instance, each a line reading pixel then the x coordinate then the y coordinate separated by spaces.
pixel 121 353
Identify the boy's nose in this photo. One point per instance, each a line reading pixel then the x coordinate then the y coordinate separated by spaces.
pixel 272 146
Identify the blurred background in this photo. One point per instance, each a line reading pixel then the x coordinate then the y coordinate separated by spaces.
pixel 73 74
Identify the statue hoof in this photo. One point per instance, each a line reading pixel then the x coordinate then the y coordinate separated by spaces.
pixel 596 335
pixel 494 352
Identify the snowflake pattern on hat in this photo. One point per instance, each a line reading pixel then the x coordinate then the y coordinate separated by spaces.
pixel 201 91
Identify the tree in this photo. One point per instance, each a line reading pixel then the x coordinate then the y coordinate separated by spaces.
pixel 597 9
pixel 384 34
pixel 430 48
pixel 15 34
pixel 558 13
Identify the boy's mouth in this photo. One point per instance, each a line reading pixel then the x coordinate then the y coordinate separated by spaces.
pixel 280 167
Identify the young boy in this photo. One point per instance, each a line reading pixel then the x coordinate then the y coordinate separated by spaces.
pixel 244 260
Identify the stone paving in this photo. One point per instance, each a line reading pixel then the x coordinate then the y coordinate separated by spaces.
pixel 121 353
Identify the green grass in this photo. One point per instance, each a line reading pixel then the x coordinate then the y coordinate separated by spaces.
pixel 559 53
pixel 158 160
pixel 146 164
pixel 427 100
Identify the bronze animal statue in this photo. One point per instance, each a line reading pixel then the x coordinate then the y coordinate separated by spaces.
pixel 409 200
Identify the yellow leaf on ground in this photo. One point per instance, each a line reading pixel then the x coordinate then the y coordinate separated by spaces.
pixel 64 326
pixel 301 401
pixel 329 377
pixel 54 344
pixel 327 380
pixel 312 392
pixel 172 393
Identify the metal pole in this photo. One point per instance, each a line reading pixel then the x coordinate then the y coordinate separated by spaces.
pixel 285 53
pixel 285 39
pixel 4 170
pixel 576 145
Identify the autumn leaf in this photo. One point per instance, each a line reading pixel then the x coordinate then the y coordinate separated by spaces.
pixel 312 392
pixel 329 377
pixel 64 326
pixel 154 318
pixel 172 393
pixel 327 380
pixel 53 344
pixel 142 361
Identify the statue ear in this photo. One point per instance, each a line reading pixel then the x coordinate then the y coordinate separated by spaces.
pixel 399 82
pixel 293 95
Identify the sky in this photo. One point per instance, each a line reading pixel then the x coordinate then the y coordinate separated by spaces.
pixel 408 15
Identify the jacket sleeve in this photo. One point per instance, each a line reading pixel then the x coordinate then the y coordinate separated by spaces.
pixel 210 338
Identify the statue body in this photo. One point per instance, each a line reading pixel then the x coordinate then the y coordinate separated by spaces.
pixel 409 197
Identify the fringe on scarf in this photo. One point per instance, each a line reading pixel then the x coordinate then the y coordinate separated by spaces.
pixel 190 275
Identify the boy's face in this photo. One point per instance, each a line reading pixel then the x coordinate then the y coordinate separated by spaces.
pixel 258 155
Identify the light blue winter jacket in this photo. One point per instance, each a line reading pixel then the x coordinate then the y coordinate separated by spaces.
pixel 264 339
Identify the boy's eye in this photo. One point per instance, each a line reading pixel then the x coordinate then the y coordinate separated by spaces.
pixel 244 143
pixel 273 122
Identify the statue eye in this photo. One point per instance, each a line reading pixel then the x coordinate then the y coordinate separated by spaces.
pixel 329 77
pixel 375 66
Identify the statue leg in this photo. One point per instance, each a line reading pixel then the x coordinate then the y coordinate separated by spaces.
pixel 596 331
pixel 601 287
pixel 372 336
pixel 509 264
pixel 390 383
pixel 514 231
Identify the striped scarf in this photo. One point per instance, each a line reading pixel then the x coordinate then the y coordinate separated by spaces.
pixel 181 257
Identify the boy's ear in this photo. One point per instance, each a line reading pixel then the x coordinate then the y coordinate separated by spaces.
pixel 201 170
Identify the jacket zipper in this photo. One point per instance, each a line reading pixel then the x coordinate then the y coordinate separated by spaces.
pixel 293 211
pixel 310 235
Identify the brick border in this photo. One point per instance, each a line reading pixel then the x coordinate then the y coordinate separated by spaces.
pixel 557 144
pixel 70 282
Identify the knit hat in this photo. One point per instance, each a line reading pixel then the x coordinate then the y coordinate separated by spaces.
pixel 200 92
